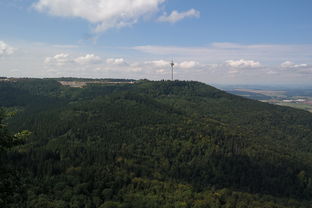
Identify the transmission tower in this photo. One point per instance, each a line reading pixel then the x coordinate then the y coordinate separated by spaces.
pixel 172 65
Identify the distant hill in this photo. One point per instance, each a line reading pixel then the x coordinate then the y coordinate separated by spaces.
pixel 156 144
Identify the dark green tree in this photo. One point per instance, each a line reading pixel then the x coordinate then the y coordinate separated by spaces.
pixel 10 184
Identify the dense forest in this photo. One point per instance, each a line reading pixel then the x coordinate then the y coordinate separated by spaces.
pixel 148 144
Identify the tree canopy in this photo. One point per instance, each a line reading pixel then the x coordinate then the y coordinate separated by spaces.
pixel 154 144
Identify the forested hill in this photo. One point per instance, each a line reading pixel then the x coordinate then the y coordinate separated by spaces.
pixel 153 144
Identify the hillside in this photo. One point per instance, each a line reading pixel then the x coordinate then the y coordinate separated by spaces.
pixel 155 144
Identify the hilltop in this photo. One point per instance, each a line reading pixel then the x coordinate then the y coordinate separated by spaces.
pixel 156 144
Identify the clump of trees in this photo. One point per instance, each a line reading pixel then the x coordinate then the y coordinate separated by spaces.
pixel 11 185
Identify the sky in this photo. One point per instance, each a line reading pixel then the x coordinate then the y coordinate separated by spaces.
pixel 262 42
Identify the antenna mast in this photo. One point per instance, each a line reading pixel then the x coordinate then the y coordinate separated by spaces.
pixel 172 65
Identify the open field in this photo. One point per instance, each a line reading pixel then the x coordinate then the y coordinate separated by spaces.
pixel 299 98
pixel 80 84
pixel 272 93
pixel 302 106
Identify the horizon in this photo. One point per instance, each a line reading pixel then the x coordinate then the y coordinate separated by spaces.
pixel 215 42
pixel 216 85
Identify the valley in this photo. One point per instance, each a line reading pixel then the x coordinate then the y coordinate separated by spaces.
pixel 295 98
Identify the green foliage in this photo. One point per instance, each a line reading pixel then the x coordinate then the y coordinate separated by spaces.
pixel 157 144
pixel 11 186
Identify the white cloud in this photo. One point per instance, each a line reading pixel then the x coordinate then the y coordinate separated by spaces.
pixel 289 64
pixel 188 64
pixel 159 63
pixel 218 52
pixel 105 14
pixel 64 58
pixel 211 67
pixel 176 16
pixel 271 72
pixel 166 64
pixel 233 71
pixel 162 71
pixel 135 69
pixel 243 63
pixel 291 67
pixel 59 59
pixel 5 49
pixel 65 46
pixel 88 59
pixel 116 61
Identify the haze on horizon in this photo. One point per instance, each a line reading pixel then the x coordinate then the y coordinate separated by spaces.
pixel 213 41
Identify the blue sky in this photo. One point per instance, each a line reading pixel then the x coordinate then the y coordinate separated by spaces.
pixel 214 41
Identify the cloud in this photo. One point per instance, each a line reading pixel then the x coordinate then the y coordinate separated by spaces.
pixel 176 16
pixel 105 14
pixel 188 64
pixel 5 49
pixel 206 63
pixel 158 63
pixel 116 61
pixel 64 58
pixel 218 52
pixel 88 59
pixel 289 64
pixel 59 59
pixel 291 67
pixel 65 46
pixel 243 63
pixel 271 72
pixel 162 71
pixel 166 64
